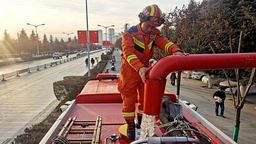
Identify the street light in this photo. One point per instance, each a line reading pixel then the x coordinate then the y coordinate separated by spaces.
pixel 106 27
pixel 36 35
pixel 68 40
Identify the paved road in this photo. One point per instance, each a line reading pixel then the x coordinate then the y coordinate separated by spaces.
pixel 117 63
pixel 197 93
pixel 27 99
pixel 14 67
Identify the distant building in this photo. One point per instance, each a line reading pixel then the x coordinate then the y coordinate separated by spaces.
pixel 111 35
pixel 100 37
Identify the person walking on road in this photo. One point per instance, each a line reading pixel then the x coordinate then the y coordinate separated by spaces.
pixel 219 97
pixel 86 61
pixel 138 46
pixel 172 78
pixel 92 61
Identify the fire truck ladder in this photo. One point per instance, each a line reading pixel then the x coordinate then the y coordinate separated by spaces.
pixel 74 127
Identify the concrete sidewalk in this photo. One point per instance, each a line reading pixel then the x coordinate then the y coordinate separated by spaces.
pixel 196 92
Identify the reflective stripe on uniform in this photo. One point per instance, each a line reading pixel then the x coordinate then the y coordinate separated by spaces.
pixel 140 46
pixel 130 57
pixel 128 114
pixel 140 111
pixel 151 44
pixel 167 46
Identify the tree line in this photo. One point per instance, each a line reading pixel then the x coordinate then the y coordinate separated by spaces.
pixel 212 26
pixel 27 44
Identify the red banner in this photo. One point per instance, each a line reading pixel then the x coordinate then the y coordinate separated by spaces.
pixel 104 43
pixel 68 44
pixel 93 36
pixel 39 43
pixel 108 42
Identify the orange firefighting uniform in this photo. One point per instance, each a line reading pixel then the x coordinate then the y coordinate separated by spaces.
pixel 138 49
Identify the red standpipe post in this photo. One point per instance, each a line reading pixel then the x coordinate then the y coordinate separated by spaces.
pixel 154 99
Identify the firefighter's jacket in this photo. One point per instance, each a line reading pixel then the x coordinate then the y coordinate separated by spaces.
pixel 138 49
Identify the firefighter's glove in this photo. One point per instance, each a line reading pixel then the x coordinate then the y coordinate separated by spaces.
pixel 180 53
pixel 142 73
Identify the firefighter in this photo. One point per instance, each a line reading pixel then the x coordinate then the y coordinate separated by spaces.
pixel 138 46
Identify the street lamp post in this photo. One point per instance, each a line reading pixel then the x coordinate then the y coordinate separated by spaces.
pixel 106 27
pixel 68 40
pixel 37 47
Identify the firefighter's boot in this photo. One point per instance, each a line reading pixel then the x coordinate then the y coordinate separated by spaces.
pixel 138 124
pixel 130 129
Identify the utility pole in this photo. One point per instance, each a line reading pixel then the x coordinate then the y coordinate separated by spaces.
pixel 106 27
pixel 37 47
pixel 68 40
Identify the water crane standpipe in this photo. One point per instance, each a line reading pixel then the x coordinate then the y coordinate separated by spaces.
pixel 156 77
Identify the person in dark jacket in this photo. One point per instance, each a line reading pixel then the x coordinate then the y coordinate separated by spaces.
pixel 86 61
pixel 172 78
pixel 219 97
pixel 92 61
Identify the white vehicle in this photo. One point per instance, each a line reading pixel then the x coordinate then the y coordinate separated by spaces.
pixel 56 55
pixel 214 80
pixel 79 53
pixel 233 85
pixel 197 75
pixel 189 73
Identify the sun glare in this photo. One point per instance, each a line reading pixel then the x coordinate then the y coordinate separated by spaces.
pixel 1 13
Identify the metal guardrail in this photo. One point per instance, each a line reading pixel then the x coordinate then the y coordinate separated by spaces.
pixel 17 73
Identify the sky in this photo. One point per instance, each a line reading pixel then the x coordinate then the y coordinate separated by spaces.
pixel 68 16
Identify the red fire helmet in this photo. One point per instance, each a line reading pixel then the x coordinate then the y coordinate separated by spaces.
pixel 152 15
